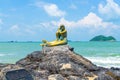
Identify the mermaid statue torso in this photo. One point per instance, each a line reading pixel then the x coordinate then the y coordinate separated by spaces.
pixel 61 38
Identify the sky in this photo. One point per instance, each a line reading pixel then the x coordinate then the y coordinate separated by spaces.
pixel 34 20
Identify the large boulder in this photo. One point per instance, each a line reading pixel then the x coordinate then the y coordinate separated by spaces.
pixel 57 60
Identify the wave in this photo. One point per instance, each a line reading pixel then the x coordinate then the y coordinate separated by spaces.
pixel 106 61
pixel 1 55
pixel 108 54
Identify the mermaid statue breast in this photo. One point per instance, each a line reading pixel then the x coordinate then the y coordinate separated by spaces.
pixel 61 38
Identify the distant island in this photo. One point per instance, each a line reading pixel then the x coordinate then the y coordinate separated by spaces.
pixel 103 38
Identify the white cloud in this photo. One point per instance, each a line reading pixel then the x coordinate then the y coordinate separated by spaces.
pixel 14 29
pixel 51 9
pixel 91 22
pixel 65 22
pixel 110 10
pixel 20 31
pixel 29 31
pixel 1 22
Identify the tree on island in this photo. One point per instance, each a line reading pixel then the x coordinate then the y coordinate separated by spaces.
pixel 103 38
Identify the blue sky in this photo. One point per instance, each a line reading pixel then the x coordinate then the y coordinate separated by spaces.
pixel 34 20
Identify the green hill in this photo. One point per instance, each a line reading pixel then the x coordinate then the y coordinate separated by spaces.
pixel 103 38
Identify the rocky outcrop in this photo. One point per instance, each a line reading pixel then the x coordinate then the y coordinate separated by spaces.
pixel 56 77
pixel 62 63
pixel 6 68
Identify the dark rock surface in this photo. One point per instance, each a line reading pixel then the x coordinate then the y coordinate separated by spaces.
pixel 104 76
pixel 61 63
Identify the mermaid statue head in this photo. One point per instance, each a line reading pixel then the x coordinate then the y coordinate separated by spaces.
pixel 62 27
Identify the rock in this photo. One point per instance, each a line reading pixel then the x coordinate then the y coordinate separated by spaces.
pixel 114 73
pixel 40 74
pixel 104 76
pixel 56 77
pixel 72 69
pixel 66 66
pixel 78 59
pixel 63 48
pixel 7 68
pixel 3 66
pixel 74 78
pixel 88 74
pixel 19 74
pixel 65 51
pixel 32 60
pixel 35 56
pixel 57 60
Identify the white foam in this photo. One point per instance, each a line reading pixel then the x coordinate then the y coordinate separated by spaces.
pixel 106 61
pixel 6 54
pixel 2 54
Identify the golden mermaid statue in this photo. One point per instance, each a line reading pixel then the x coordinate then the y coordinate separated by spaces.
pixel 61 38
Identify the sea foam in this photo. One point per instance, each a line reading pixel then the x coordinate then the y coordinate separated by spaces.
pixel 5 54
pixel 106 61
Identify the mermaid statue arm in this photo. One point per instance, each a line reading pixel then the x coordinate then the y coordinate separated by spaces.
pixel 62 32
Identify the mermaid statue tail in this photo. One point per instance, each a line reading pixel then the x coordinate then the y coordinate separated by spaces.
pixel 54 43
pixel 44 43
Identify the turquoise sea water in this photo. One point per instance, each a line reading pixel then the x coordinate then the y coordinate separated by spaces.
pixel 105 54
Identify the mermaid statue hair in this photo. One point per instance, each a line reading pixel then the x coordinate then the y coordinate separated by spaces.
pixel 62 27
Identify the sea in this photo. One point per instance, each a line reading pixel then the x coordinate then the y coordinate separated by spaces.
pixel 105 54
